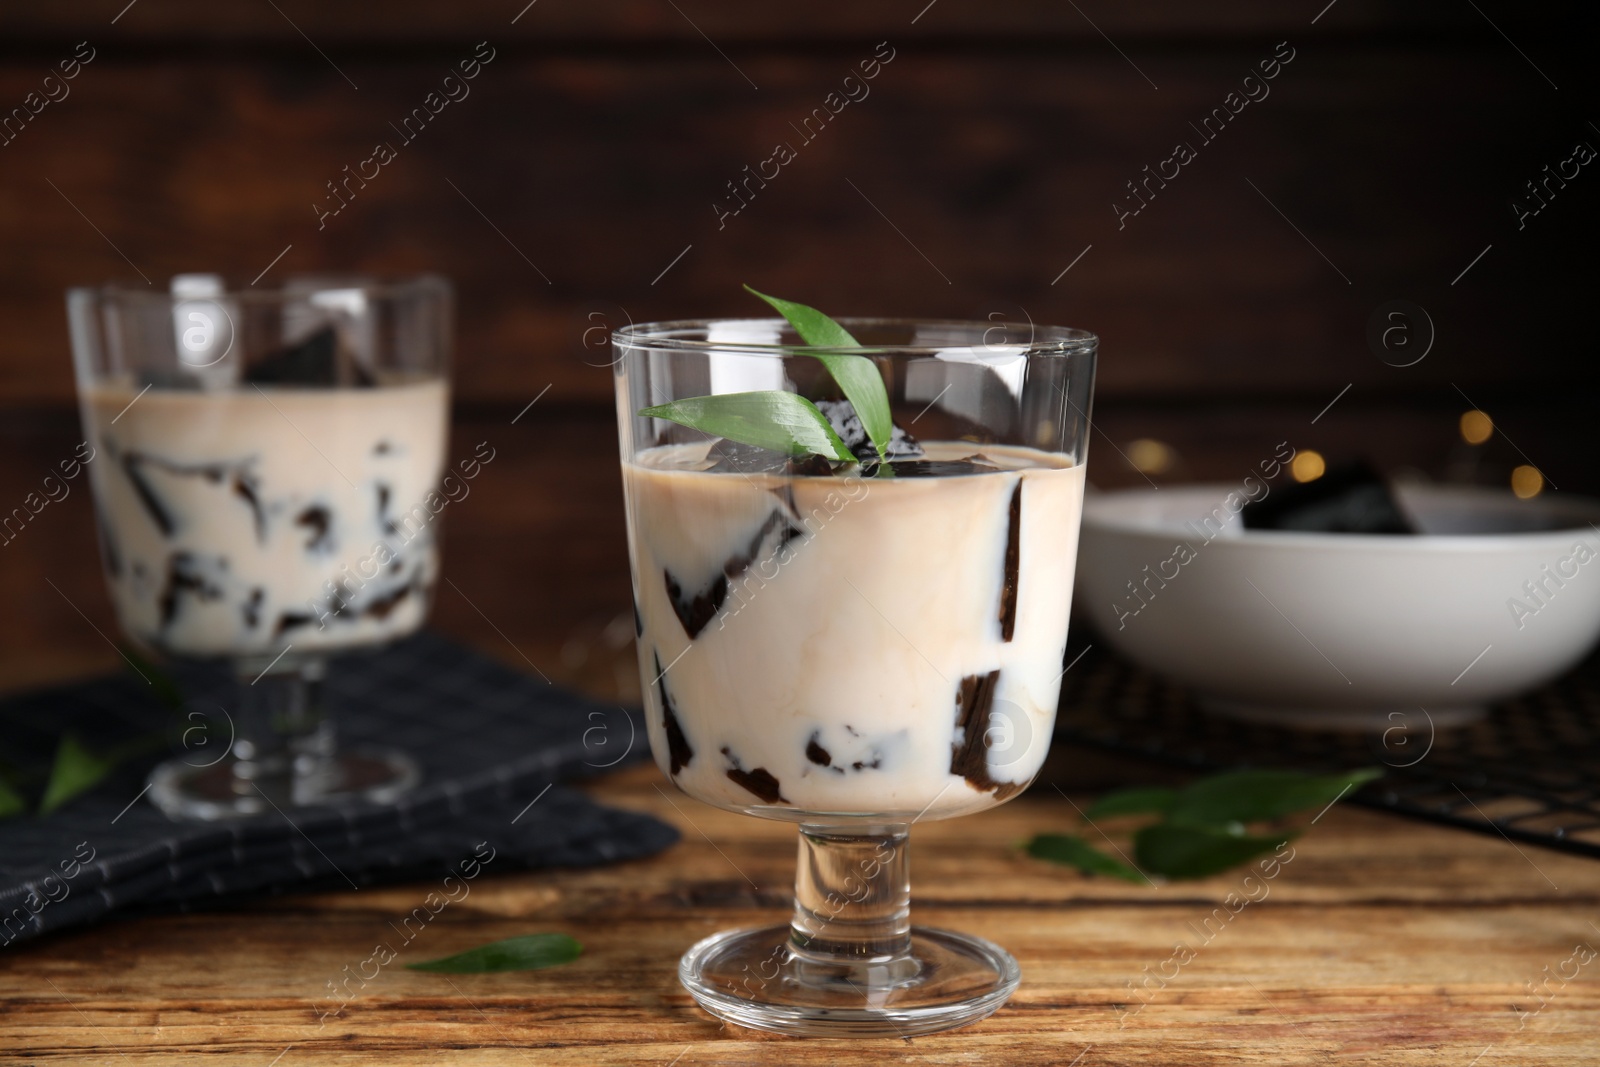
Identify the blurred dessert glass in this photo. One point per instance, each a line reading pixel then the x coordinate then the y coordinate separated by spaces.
pixel 264 462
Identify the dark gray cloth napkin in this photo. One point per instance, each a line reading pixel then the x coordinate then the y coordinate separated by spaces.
pixel 491 742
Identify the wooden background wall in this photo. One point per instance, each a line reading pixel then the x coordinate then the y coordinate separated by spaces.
pixel 575 185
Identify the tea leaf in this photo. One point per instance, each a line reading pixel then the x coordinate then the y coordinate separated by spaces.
pixel 857 376
pixel 783 422
pixel 1070 850
pixel 1252 796
pixel 1197 851
pixel 1153 800
pixel 530 952
pixel 75 772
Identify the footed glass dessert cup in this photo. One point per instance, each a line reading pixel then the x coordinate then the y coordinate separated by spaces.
pixel 854 646
pixel 265 474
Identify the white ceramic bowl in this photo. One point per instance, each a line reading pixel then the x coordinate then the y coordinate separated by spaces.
pixel 1496 596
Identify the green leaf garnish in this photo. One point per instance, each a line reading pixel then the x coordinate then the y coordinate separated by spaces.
pixel 770 418
pixel 530 952
pixel 1252 796
pixel 1069 850
pixel 1131 802
pixel 11 802
pixel 76 771
pixel 857 376
pixel 1197 851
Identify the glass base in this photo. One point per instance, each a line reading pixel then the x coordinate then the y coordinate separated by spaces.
pixel 233 787
pixel 754 978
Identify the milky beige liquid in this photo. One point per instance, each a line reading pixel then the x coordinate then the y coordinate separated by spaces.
pixel 828 679
pixel 238 522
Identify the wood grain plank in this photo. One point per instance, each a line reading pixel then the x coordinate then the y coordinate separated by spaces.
pixel 997 173
pixel 1383 940
pixel 727 22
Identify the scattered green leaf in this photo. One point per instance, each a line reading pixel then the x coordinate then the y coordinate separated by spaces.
pixel 857 376
pixel 1202 828
pixel 75 772
pixel 1197 851
pixel 11 802
pixel 1253 796
pixel 1069 850
pixel 1153 800
pixel 527 953
pixel 783 422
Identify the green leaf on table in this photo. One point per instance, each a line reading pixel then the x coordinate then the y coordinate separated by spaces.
pixel 1069 850
pixel 1197 851
pixel 1252 796
pixel 770 418
pixel 75 772
pixel 527 953
pixel 11 802
pixel 1153 801
pixel 857 376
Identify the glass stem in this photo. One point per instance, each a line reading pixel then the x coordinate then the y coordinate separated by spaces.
pixel 280 731
pixel 852 894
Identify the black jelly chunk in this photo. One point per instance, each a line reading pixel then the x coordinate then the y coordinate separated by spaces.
pixel 291 620
pixel 245 487
pixel 758 780
pixel 1349 498
pixel 934 468
pixel 313 360
pixel 816 753
pixel 1008 581
pixel 696 609
pixel 252 608
pixel 678 751
pixel 969 759
pixel 186 577
pixel 135 465
pixel 384 520
pixel 317 520
pixel 847 424
pixel 380 607
pixel 132 466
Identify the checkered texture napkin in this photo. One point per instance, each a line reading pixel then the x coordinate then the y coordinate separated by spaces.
pixel 491 742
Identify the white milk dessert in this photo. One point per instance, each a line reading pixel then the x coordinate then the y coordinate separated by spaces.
pixel 237 521
pixel 849 644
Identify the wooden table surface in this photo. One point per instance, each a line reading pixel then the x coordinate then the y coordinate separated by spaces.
pixel 1382 941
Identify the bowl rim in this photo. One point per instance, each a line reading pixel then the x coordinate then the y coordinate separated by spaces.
pixel 1558 505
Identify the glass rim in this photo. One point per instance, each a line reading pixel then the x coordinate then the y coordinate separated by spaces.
pixel 373 286
pixel 667 336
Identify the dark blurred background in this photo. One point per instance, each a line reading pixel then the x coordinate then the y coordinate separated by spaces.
pixel 575 186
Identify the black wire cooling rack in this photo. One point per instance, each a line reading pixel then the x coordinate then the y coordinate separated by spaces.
pixel 1529 771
